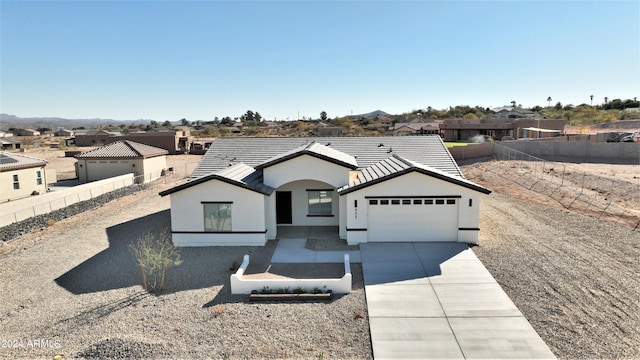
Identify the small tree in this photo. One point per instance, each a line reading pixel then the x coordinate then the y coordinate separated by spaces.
pixel 323 115
pixel 154 253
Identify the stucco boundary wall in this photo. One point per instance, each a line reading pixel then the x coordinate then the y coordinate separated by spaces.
pixel 576 152
pixel 19 210
pixel 471 151
pixel 241 285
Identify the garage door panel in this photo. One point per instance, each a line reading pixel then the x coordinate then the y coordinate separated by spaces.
pixel 413 221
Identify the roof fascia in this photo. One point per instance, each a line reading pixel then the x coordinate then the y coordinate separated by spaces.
pixel 421 171
pixel 208 178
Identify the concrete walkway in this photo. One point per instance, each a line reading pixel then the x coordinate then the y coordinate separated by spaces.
pixel 294 251
pixel 437 301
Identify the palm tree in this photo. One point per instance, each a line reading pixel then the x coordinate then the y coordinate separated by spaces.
pixel 591 97
pixel 549 101
pixel 513 103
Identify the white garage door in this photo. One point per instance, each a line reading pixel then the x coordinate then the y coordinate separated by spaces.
pixel 413 219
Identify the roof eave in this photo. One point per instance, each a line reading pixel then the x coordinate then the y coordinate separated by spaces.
pixel 419 170
pixel 213 177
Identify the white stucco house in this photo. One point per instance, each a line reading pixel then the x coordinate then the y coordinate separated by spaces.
pixel 22 176
pixel 122 157
pixel 371 189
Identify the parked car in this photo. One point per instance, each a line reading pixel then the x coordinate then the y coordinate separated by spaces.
pixel 631 137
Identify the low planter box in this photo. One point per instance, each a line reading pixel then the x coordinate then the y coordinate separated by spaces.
pixel 290 297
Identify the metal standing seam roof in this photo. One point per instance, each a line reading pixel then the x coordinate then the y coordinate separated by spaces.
pixel 239 174
pixel 316 150
pixel 123 149
pixel 426 150
pixel 11 161
pixel 394 166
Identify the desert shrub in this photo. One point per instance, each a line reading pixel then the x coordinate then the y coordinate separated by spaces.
pixel 154 253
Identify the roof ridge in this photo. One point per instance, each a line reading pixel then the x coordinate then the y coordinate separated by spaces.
pixel 403 160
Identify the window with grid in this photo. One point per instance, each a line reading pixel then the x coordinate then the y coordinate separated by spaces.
pixel 217 216
pixel 320 202
pixel 16 182
pixel 39 177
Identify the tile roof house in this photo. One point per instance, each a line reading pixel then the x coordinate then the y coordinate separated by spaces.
pixel 370 188
pixel 119 158
pixel 413 128
pixel 22 176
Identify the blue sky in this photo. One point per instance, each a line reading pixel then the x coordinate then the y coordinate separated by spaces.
pixel 165 60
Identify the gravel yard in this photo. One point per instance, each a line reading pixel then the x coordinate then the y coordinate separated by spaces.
pixel 575 278
pixel 74 289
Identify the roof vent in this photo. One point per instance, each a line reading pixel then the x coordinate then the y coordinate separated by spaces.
pixel 328 144
pixel 381 145
pixel 390 150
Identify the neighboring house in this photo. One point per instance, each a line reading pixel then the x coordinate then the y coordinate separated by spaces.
pixel 29 132
pixel 119 158
pixel 8 144
pixel 177 141
pixel 466 129
pixel 371 188
pixel 64 132
pixel 21 176
pixel 416 128
pixel 512 113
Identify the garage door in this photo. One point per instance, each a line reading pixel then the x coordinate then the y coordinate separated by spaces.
pixel 413 219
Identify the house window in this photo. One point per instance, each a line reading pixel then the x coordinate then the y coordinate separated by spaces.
pixel 417 202
pixel 451 201
pixel 320 202
pixel 39 177
pixel 373 202
pixel 217 216
pixel 440 202
pixel 406 202
pixel 16 182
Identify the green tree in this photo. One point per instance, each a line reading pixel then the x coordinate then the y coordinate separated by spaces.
pixel 248 116
pixel 549 101
pixel 167 124
pixel 257 117
pixel 558 106
pixel 323 115
pixel 184 122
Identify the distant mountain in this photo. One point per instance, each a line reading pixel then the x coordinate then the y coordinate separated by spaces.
pixel 8 121
pixel 376 113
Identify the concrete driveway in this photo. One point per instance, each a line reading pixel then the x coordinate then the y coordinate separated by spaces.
pixel 437 301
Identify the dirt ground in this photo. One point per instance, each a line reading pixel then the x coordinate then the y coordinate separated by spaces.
pixel 602 191
pixel 571 269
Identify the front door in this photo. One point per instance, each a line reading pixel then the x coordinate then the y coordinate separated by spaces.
pixel 283 207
